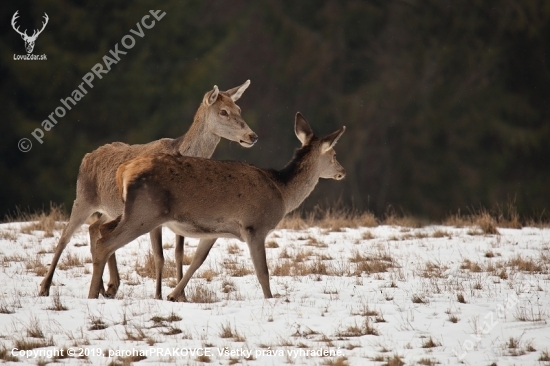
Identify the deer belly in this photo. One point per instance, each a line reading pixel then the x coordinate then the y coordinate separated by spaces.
pixel 202 231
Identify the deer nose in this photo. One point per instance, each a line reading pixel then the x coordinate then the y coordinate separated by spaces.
pixel 253 138
pixel 340 176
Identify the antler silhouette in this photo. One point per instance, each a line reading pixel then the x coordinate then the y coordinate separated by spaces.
pixel 15 16
pixel 29 40
pixel 43 26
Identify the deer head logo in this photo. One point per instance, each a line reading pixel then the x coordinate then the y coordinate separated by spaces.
pixel 29 40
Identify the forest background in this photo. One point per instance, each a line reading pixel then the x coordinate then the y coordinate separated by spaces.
pixel 446 103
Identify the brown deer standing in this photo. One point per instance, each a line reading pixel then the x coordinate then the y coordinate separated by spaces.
pixel 210 199
pixel 96 191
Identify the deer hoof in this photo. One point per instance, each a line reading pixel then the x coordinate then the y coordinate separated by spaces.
pixel 44 292
pixel 111 292
pixel 174 298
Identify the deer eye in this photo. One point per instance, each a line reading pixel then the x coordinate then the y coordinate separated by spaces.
pixel 223 112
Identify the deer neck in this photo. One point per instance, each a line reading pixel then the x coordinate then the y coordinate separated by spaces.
pixel 199 141
pixel 297 179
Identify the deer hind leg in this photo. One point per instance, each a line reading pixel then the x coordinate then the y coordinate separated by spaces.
pixel 256 246
pixel 93 230
pixel 156 244
pixel 126 231
pixel 80 212
pixel 141 215
pixel 102 230
pixel 178 294
pixel 179 256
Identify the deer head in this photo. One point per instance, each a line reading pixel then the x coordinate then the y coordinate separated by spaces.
pixel 29 40
pixel 327 164
pixel 224 116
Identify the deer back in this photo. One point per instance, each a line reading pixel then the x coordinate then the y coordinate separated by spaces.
pixel 203 190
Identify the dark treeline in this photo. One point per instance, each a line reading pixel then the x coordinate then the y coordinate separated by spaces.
pixel 447 103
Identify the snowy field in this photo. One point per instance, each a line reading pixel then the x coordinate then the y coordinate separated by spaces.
pixel 364 296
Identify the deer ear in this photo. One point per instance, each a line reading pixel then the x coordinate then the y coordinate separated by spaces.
pixel 211 96
pixel 238 91
pixel 332 139
pixel 302 129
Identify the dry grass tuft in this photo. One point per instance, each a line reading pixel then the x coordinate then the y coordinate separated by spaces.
pixel 419 299
pixel 314 242
pixel 6 355
pixel 35 265
pixel 28 344
pixel 366 328
pixel 41 221
pixel 147 267
pixel 271 244
pixel 487 224
pixel 441 234
pixel 525 264
pixel 138 335
pixel 201 294
pixel 173 317
pixel 228 286
pixel 233 249
pixel 237 269
pixel 96 323
pixel 453 318
pixel 207 274
pixel 395 360
pixel 470 266
pixel 376 262
pixel 427 362
pixel 531 314
pixel 394 219
pixel 514 347
pixel 187 259
pixel 488 221
pixel 57 304
pixel 69 261
pixel 340 361
pixel 544 356
pixel 282 268
pixel 4 307
pixel 334 218
pixel 433 270
pixel 8 234
pixel 430 343
pixel 227 332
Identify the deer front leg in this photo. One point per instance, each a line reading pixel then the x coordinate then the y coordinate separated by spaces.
pixel 114 278
pixel 178 294
pixel 257 252
pixel 79 213
pixel 156 244
pixel 179 256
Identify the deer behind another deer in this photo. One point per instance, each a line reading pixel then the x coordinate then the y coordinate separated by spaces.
pixel 209 199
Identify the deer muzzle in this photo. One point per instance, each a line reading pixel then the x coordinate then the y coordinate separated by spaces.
pixel 249 140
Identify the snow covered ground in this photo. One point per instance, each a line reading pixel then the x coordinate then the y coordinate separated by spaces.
pixel 382 295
